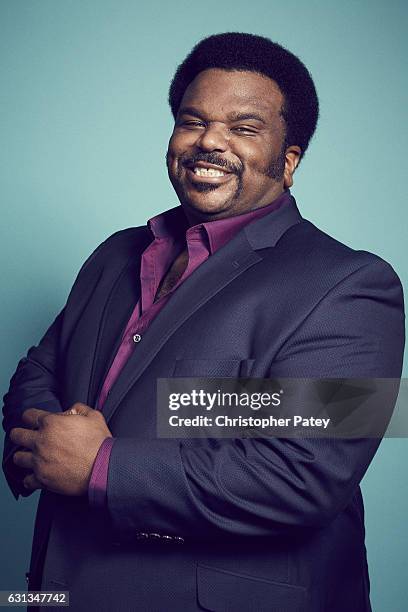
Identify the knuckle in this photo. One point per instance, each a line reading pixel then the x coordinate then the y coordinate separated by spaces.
pixel 40 445
pixel 44 420
pixel 40 479
pixel 40 474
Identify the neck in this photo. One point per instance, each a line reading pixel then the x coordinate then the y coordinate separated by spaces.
pixel 195 217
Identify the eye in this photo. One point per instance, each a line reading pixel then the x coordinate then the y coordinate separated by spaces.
pixel 191 123
pixel 245 129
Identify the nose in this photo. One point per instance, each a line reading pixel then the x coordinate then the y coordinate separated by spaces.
pixel 212 138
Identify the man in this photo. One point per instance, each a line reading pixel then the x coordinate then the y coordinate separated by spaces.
pixel 233 282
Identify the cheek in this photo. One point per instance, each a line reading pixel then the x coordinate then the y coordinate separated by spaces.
pixel 252 154
pixel 179 143
pixel 171 147
pixel 254 165
pixel 171 156
pixel 259 160
pixel 175 150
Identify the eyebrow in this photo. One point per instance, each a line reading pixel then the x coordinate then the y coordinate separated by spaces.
pixel 245 116
pixel 234 116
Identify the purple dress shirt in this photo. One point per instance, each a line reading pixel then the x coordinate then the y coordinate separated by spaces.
pixel 171 235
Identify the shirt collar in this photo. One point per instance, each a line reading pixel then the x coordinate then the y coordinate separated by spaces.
pixel 173 224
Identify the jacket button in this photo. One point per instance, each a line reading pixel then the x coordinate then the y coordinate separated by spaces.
pixel 137 338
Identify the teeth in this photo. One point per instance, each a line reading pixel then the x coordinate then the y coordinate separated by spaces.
pixel 208 172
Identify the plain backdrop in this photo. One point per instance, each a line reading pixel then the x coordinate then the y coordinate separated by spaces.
pixel 84 129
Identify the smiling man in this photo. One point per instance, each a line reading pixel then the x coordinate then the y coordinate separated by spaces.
pixel 232 282
pixel 228 153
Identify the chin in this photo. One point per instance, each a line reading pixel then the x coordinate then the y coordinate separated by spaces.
pixel 206 201
pixel 206 205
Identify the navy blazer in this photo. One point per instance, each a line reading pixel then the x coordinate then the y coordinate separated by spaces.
pixel 255 524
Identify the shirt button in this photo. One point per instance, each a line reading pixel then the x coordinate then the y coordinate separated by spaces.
pixel 137 338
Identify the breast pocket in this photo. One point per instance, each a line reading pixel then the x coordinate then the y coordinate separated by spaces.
pixel 212 368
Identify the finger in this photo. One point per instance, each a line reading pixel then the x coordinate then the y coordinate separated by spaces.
pixel 23 459
pixel 31 417
pixel 31 483
pixel 78 408
pixel 23 437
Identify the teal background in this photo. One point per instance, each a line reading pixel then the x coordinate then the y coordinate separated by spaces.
pixel 84 130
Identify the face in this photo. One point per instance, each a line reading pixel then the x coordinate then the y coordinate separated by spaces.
pixel 227 153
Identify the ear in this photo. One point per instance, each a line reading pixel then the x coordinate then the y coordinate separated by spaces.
pixel 292 158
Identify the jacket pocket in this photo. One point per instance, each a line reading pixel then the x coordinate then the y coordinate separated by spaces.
pixel 212 368
pixel 219 590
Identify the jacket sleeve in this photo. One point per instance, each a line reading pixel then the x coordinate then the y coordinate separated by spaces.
pixel 35 384
pixel 269 486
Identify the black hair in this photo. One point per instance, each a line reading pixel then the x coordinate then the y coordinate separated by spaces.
pixel 242 51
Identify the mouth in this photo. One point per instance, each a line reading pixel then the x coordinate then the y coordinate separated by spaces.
pixel 208 173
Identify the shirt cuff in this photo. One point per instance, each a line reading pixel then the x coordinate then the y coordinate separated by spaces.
pixel 99 475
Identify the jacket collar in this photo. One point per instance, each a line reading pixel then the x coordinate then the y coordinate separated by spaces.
pixel 267 231
pixel 262 228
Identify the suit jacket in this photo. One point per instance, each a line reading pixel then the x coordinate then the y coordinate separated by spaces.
pixel 253 524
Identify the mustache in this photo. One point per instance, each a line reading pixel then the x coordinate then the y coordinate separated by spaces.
pixel 212 158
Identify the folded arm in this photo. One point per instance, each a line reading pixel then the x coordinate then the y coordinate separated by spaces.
pixel 33 385
pixel 36 384
pixel 258 487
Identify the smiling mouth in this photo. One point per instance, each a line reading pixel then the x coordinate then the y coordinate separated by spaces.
pixel 203 172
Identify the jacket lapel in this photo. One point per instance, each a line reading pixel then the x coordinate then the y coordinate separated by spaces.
pixel 208 279
pixel 121 301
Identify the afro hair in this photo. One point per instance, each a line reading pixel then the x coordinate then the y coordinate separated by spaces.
pixel 241 51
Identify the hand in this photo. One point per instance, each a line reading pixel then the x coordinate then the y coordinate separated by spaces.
pixel 61 447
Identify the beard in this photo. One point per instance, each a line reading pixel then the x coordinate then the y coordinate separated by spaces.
pixel 274 170
pixel 276 166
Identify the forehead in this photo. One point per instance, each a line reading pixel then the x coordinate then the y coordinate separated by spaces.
pixel 228 91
